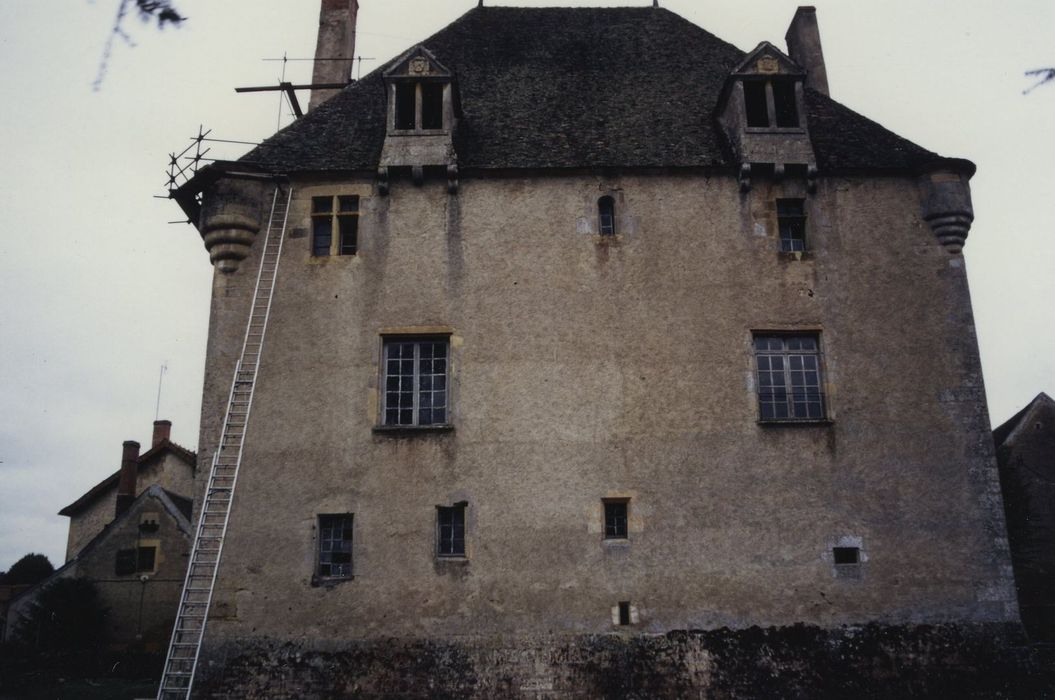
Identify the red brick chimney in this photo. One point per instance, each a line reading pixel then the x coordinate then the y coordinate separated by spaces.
pixel 335 47
pixel 126 482
pixel 162 431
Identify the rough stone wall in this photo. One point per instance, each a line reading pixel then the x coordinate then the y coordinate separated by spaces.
pixel 972 661
pixel 585 368
pixel 1027 470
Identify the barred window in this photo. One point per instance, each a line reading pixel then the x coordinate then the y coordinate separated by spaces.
pixel 416 374
pixel 335 546
pixel 615 519
pixel 791 220
pixel 450 524
pixel 334 225
pixel 789 378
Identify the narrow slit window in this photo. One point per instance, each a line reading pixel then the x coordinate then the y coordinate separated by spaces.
pixel 755 103
pixel 406 100
pixel 615 519
pixel 450 523
pixel 348 224
pixel 791 220
pixel 432 106
pixel 784 101
pixel 335 546
pixel 624 612
pixel 606 215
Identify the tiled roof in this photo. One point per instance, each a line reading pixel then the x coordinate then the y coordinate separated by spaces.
pixel 574 88
pixel 111 481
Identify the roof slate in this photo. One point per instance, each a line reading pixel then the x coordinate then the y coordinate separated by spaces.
pixel 575 88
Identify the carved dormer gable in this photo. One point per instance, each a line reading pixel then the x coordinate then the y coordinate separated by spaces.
pixel 762 111
pixel 421 119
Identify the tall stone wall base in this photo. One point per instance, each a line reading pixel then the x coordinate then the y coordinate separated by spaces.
pixel 873 661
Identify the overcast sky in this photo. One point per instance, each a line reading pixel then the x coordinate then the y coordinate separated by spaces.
pixel 97 291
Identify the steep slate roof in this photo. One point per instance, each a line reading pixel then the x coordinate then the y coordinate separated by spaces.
pixel 1002 433
pixel 572 88
pixel 111 481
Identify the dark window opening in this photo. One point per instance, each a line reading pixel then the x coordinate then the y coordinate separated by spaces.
pixel 791 220
pixel 432 106
pixel 450 522
pixel 846 555
pixel 326 221
pixel 624 612
pixel 348 224
pixel 335 546
pixel 784 101
pixel 615 520
pixel 789 378
pixel 146 558
pixel 606 215
pixel 405 106
pixel 321 225
pixel 755 103
pixel 125 563
pixel 415 382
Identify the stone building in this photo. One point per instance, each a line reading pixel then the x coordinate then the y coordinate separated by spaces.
pixel 130 535
pixel 1025 452
pixel 589 326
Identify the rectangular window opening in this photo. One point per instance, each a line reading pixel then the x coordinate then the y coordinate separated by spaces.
pixel 784 101
pixel 432 106
pixel 624 612
pixel 846 555
pixel 615 519
pixel 790 386
pixel 755 103
pixel 146 558
pixel 335 546
pixel 125 562
pixel 321 225
pixel 450 524
pixel 791 220
pixel 415 381
pixel 406 100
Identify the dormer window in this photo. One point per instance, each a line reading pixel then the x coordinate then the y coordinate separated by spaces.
pixel 770 103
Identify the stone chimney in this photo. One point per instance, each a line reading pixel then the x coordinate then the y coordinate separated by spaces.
pixel 162 431
pixel 804 47
pixel 335 47
pixel 126 482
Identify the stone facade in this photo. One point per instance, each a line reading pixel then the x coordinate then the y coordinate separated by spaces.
pixel 594 363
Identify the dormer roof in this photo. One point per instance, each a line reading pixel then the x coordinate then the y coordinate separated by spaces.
pixel 767 59
pixel 416 63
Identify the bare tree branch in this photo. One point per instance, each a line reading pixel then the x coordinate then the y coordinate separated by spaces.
pixel 1045 75
pixel 163 10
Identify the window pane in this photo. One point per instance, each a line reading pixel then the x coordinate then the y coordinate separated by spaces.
pixel 335 546
pixel 349 231
pixel 321 205
pixel 755 103
pixel 322 236
pixel 347 203
pixel 431 106
pixel 405 105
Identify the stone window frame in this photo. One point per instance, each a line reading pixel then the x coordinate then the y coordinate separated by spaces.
pixel 820 393
pixel 322 542
pixel 401 83
pixel 606 210
pixel 336 217
pixel 136 555
pixel 452 546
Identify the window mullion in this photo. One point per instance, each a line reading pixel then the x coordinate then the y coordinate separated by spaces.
pixel 789 390
pixel 771 104
pixel 416 382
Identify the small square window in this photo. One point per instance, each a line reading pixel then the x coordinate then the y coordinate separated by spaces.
pixel 615 519
pixel 335 546
pixel 416 373
pixel 790 386
pixel 791 220
pixel 846 555
pixel 450 531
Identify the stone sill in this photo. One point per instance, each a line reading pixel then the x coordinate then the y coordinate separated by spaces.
pixel 795 423
pixel 412 430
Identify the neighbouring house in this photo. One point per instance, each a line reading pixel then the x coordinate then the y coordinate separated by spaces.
pixel 571 337
pixel 131 536
pixel 1025 451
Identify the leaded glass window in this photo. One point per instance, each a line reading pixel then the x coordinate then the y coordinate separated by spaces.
pixel 335 546
pixel 451 531
pixel 791 219
pixel 416 373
